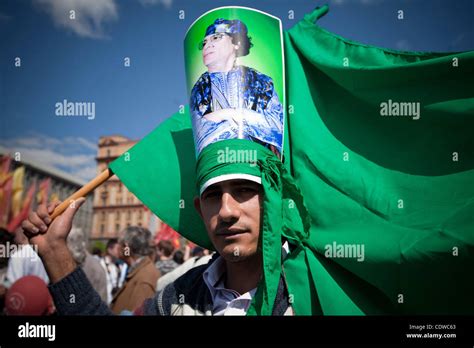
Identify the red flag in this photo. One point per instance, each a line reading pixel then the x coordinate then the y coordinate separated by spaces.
pixel 25 210
pixel 167 233
pixel 6 182
pixel 5 198
pixel 43 191
pixel 5 165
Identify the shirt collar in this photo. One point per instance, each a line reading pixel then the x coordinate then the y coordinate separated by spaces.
pixel 214 279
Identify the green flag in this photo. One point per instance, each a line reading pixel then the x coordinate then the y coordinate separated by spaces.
pixel 380 145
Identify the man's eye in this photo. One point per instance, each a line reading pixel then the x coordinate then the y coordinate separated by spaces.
pixel 247 190
pixel 211 194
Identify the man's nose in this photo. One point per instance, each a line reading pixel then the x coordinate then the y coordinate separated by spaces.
pixel 209 43
pixel 229 208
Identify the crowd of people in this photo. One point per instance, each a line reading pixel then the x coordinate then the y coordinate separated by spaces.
pixel 130 269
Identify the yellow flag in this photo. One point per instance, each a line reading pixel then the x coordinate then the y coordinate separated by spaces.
pixel 18 178
pixel 54 197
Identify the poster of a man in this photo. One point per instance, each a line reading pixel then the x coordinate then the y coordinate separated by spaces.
pixel 230 100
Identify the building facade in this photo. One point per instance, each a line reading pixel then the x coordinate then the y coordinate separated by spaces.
pixel 115 207
pixel 62 185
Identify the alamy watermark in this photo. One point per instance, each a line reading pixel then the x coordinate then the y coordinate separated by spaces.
pixel 343 251
pixel 9 250
pixel 28 330
pixel 393 108
pixel 237 156
pixel 67 108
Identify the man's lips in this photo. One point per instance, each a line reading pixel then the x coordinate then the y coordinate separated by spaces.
pixel 208 53
pixel 230 231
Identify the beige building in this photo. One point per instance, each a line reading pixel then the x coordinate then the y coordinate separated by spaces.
pixel 114 206
pixel 62 185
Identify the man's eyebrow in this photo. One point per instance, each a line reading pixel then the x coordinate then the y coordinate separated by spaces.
pixel 210 189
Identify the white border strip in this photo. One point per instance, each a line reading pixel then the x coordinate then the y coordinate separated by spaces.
pixel 225 177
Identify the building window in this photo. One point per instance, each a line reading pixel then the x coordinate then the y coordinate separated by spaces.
pixel 129 215
pixel 117 227
pixel 140 215
pixel 118 200
pixel 102 228
pixel 117 215
pixel 108 152
pixel 119 187
pixel 102 216
pixel 103 195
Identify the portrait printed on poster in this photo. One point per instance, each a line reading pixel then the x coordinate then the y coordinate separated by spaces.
pixel 229 100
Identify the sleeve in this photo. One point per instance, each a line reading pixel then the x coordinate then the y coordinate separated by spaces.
pixel 274 110
pixel 142 292
pixel 14 271
pixel 267 123
pixel 74 295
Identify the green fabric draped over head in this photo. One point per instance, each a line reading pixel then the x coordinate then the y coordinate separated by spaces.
pixel 283 211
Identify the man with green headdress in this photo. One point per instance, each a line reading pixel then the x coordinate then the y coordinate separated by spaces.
pixel 250 206
pixel 233 195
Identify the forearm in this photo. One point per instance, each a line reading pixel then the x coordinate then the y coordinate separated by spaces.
pixel 74 295
pixel 58 262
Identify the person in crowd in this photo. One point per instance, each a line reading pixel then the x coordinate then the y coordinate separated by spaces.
pixel 165 261
pixel 142 275
pixel 97 253
pixel 112 269
pixel 29 295
pixel 198 257
pixel 6 239
pixel 91 266
pixel 24 261
pixel 178 257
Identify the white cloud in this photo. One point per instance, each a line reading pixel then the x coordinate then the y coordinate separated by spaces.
pixel 90 15
pixel 74 155
pixel 165 3
pixel 87 173
pixel 82 141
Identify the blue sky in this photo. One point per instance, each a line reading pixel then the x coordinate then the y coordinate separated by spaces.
pixel 82 60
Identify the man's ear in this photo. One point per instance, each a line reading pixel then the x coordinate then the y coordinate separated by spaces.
pixel 197 205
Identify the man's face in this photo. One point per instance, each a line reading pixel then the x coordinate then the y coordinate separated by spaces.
pixel 123 250
pixel 218 48
pixel 114 250
pixel 231 212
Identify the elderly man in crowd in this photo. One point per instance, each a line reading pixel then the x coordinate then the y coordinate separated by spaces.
pixel 142 276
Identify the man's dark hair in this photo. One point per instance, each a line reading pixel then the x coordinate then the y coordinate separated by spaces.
pixel 245 43
pixel 96 251
pixel 178 257
pixel 5 237
pixel 197 251
pixel 166 247
pixel 111 243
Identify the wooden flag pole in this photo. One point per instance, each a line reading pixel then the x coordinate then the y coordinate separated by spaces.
pixel 82 192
